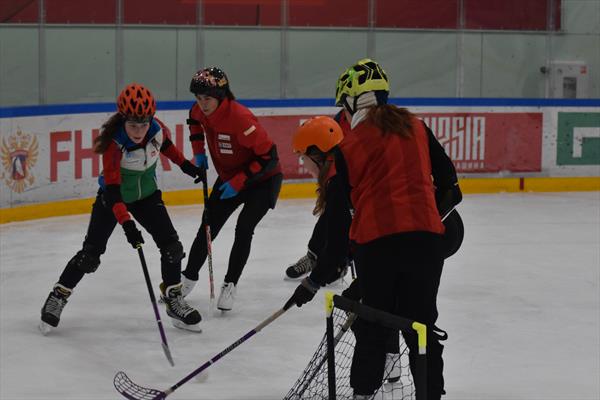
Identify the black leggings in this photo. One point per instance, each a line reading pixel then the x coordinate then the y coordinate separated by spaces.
pixel 256 201
pixel 150 213
pixel 399 274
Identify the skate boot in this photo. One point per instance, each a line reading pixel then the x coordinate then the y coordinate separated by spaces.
pixel 182 315
pixel 56 301
pixel 227 296
pixel 187 285
pixel 302 267
pixel 392 367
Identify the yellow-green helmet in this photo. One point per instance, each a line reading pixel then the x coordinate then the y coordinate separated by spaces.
pixel 366 75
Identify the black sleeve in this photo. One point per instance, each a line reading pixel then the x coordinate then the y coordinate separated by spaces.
pixel 268 162
pixel 442 168
pixel 112 195
pixel 445 180
pixel 337 218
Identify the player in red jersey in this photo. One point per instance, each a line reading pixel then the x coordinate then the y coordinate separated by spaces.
pixel 249 174
pixel 399 182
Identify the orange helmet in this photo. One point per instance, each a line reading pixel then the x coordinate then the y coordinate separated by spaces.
pixel 135 101
pixel 321 132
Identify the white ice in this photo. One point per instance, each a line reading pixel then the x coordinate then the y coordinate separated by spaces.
pixel 520 301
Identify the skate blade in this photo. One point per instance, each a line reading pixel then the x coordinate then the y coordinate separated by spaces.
pixel 45 328
pixel 181 325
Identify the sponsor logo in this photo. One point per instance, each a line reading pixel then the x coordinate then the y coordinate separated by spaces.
pixel 18 154
pixel 578 138
pixel 463 138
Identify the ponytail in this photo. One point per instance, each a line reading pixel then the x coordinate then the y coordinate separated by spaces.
pixel 391 119
pixel 322 186
pixel 107 132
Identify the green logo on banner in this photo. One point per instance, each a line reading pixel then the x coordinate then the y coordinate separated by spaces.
pixel 578 138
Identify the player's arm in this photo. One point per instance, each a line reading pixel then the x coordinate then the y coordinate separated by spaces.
pixel 445 180
pixel 197 139
pixel 333 259
pixel 265 160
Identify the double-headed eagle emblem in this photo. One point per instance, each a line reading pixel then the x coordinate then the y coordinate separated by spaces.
pixel 18 155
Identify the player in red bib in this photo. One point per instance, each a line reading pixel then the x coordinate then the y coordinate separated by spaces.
pixel 249 174
pixel 399 183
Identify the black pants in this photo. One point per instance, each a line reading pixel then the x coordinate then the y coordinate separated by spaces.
pixel 256 201
pixel 399 274
pixel 150 213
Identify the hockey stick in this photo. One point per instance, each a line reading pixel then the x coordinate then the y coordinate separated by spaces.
pixel 208 244
pixel 133 391
pixel 163 337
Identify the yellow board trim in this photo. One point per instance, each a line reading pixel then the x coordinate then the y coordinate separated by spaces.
pixel 328 303
pixel 422 336
pixel 306 190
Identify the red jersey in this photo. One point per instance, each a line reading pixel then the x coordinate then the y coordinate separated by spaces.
pixel 392 188
pixel 239 146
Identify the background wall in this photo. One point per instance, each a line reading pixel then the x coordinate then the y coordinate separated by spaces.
pixel 62 51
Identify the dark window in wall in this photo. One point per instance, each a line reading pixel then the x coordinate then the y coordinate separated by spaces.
pixel 427 14
pixel 354 13
pixel 171 12
pixel 242 12
pixel 510 14
pixel 81 11
pixel 19 11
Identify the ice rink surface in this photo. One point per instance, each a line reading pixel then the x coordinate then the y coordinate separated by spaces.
pixel 520 302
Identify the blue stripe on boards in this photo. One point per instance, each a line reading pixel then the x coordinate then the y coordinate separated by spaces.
pixel 88 108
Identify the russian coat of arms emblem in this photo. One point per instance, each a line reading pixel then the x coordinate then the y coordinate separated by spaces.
pixel 18 155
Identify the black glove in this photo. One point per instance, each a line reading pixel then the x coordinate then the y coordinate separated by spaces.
pixel 353 291
pixel 195 172
pixel 134 236
pixel 305 292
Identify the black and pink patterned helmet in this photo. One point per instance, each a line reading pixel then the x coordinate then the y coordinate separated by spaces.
pixel 210 82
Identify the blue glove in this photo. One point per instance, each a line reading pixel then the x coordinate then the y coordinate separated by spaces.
pixel 227 191
pixel 201 160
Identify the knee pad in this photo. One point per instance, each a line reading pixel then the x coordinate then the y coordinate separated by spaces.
pixel 172 253
pixel 85 261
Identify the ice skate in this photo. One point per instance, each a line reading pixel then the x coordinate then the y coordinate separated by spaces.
pixel 182 315
pixel 392 367
pixel 302 267
pixel 56 301
pixel 187 285
pixel 227 296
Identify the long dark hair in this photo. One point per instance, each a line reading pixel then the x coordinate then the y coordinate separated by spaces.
pixel 107 132
pixel 324 161
pixel 391 119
